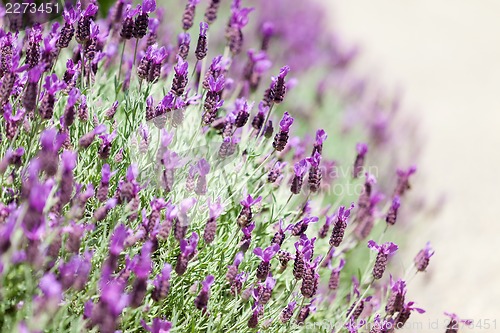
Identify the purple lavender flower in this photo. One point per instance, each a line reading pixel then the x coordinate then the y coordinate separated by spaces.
pixel 340 225
pixel 162 283
pixel 201 301
pixel 232 270
pixel 281 138
pixel 215 209
pixel 33 48
pixel 107 141
pixel 279 87
pixel 245 216
pixel 314 179
pixel 247 236
pixel 142 20
pixel 423 257
pixel 182 220
pixel 68 30
pixel 189 13
pixel 203 170
pixel 82 34
pixel 362 149
pixel 305 311
pixel 392 214
pixel 211 12
pixel 141 270
pixel 183 45
pixel 188 250
pixel 403 183
pixel 239 19
pixel 180 78
pixel 158 326
pixel 31 90
pixel 384 251
pixel 266 256
pixel 262 294
pixel 201 46
pixel 333 282
pixel 300 169
pixel 310 280
pixel 321 136
pixel 287 312
pixel 268 31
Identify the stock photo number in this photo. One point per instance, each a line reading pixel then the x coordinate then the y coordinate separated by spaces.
pixel 20 14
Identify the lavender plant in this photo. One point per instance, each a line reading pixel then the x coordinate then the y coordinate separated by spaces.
pixel 150 184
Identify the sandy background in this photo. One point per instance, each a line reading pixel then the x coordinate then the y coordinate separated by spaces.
pixel 446 54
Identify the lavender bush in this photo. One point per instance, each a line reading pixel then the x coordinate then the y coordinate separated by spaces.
pixel 169 169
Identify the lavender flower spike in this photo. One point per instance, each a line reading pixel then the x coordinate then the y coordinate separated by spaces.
pixel 245 217
pixel 362 149
pixel 392 214
pixel 423 257
pixel 232 270
pixel 287 312
pixel 281 138
pixel 201 47
pixel 384 251
pixel 201 300
pixel 162 283
pixel 454 323
pixel 340 226
pixel 300 169
pixel 279 88
pixel 318 144
pixel 215 210
pixel 266 256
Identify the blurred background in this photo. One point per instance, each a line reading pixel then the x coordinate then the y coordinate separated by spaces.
pixel 445 55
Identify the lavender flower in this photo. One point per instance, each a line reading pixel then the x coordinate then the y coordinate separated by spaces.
pixel 396 300
pixel 188 250
pixel 314 179
pixel 310 280
pixel 384 251
pixel 279 86
pixel 362 149
pixel 246 215
pixel 201 300
pixel 423 257
pixel 333 282
pixel 83 26
pixel 232 270
pixel 68 30
pixel 162 284
pixel 180 78
pixel 142 20
pixel 266 256
pixel 203 170
pixel 189 13
pixel 392 214
pixel 211 12
pixel 287 312
pixel 403 183
pixel 340 225
pixel 263 292
pixel 215 209
pixel 201 46
pixel 300 169
pixel 281 138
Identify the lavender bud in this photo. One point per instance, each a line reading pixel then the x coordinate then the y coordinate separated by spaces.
pixel 141 25
pixel 211 12
pixel 392 214
pixel 423 257
pixel 355 313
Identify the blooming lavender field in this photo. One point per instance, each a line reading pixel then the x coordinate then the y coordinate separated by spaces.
pixel 199 167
